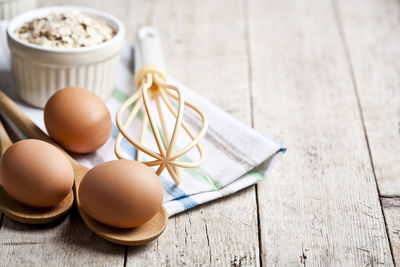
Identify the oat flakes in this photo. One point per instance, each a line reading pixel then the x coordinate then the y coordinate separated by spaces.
pixel 65 30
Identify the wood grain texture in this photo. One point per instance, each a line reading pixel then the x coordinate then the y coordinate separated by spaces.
pixel 206 51
pixel 371 31
pixel 371 34
pixel 325 209
pixel 68 242
pixel 392 216
pixel 212 235
pixel 391 209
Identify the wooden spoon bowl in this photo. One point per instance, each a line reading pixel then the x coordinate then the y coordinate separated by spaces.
pixel 30 215
pixel 26 214
pixel 132 237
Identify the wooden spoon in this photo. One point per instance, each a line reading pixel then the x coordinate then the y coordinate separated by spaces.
pixel 131 237
pixel 25 214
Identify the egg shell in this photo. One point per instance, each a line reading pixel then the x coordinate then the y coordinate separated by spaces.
pixel 121 193
pixel 77 119
pixel 36 173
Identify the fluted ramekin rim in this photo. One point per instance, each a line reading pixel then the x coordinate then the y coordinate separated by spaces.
pixel 41 12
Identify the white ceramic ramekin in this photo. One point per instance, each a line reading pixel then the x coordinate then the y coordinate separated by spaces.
pixel 11 8
pixel 39 71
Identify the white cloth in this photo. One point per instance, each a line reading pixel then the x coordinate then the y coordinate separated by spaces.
pixel 236 155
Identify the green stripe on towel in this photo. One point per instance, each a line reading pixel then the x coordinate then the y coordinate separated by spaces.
pixel 257 174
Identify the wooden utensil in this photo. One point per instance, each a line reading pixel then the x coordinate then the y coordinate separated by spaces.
pixel 25 214
pixel 131 237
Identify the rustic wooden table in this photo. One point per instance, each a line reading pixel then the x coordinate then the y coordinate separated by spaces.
pixel 320 76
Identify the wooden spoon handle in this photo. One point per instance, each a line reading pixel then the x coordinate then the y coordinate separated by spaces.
pixel 5 140
pixel 21 120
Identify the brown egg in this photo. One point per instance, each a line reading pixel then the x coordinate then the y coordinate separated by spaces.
pixel 77 119
pixel 121 193
pixel 36 173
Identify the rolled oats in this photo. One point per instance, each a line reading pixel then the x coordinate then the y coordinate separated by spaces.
pixel 65 30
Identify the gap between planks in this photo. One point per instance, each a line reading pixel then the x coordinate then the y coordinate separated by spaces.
pixel 247 37
pixel 326 207
pixel 372 37
pixel 390 202
pixel 360 110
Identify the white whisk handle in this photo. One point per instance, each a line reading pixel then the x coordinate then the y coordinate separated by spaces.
pixel 148 50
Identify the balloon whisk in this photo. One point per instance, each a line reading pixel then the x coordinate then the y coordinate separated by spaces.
pixel 153 91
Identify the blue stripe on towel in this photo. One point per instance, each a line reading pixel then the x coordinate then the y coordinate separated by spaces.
pixel 126 146
pixel 177 193
pixel 174 191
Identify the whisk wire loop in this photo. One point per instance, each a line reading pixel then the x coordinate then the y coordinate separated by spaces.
pixel 152 86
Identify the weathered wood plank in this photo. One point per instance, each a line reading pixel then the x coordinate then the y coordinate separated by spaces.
pixel 321 206
pixel 371 31
pixel 66 243
pixel 391 209
pixel 211 235
pixel 204 46
pixel 392 216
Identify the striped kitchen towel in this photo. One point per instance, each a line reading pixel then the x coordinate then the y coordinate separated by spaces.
pixel 236 155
